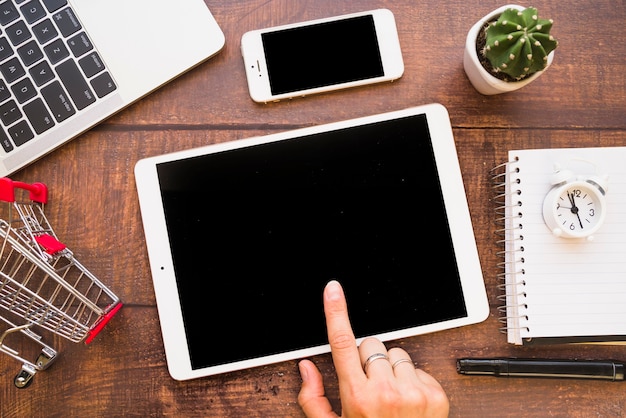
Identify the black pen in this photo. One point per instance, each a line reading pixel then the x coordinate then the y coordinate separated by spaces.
pixel 513 367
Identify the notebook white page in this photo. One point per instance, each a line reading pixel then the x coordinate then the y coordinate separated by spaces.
pixel 554 286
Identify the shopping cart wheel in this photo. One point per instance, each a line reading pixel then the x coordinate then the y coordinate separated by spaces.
pixel 46 357
pixel 25 377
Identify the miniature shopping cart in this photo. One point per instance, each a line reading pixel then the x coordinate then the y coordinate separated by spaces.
pixel 42 285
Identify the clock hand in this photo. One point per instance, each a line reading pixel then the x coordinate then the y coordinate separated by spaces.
pixel 570 196
pixel 575 208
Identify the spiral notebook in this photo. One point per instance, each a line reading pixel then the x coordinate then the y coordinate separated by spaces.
pixel 555 289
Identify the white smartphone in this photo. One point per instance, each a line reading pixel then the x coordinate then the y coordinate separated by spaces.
pixel 322 55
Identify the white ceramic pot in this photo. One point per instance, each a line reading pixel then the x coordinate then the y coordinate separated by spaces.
pixel 480 78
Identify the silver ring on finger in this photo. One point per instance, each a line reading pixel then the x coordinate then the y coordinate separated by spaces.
pixel 402 360
pixel 373 358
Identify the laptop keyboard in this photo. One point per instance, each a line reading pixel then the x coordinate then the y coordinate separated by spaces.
pixel 49 69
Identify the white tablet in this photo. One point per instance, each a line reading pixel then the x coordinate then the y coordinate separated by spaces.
pixel 243 236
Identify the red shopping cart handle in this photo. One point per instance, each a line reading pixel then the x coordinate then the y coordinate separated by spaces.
pixel 38 191
pixel 100 324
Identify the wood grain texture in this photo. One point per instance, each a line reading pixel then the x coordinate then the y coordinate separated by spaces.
pixel 580 101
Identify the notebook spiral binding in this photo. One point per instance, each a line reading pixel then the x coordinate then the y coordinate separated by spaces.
pixel 510 237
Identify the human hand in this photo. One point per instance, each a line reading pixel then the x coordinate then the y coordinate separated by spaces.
pixel 367 388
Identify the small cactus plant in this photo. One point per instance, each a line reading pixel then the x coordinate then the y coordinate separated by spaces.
pixel 518 43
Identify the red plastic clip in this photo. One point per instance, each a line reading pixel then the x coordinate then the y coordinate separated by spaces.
pixel 100 324
pixel 50 244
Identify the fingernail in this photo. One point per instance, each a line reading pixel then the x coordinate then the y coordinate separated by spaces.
pixel 303 372
pixel 333 290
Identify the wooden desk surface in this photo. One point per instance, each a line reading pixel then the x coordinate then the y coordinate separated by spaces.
pixel 580 101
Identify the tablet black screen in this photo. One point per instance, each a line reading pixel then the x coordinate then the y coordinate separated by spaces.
pixel 257 232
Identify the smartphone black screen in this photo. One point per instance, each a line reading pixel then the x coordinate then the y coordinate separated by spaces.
pixel 322 54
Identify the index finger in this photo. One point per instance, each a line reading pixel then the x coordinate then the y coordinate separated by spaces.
pixel 340 335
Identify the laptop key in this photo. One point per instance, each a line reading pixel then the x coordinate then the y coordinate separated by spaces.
pixel 75 83
pixel 45 31
pixel 12 70
pixel 8 13
pixel 53 5
pixel 58 101
pixel 5 93
pixel 10 112
pixel 21 133
pixel 103 84
pixel 66 21
pixel 24 90
pixel 5 49
pixel 80 44
pixel 56 51
pixel 33 11
pixel 38 116
pixel 91 64
pixel 41 73
pixel 30 53
pixel 7 145
pixel 18 32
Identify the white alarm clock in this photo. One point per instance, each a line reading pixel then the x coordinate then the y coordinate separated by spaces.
pixel 575 207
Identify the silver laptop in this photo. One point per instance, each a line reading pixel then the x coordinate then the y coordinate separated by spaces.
pixel 66 65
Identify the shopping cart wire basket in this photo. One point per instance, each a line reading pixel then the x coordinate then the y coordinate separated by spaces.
pixel 42 284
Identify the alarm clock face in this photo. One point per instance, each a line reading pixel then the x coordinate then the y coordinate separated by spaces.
pixel 575 209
